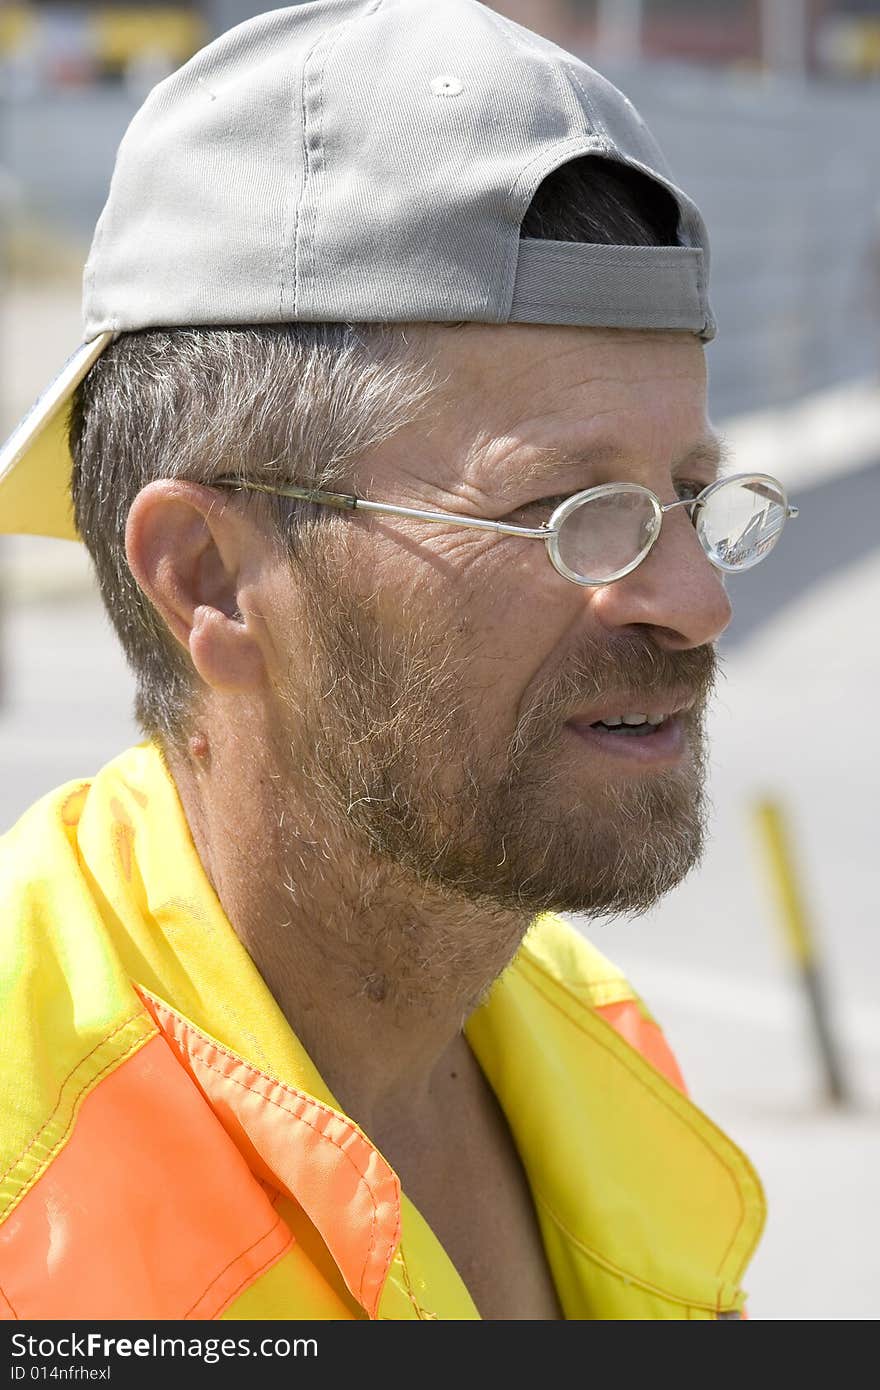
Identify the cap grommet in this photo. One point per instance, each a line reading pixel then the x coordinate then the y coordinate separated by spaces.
pixel 447 85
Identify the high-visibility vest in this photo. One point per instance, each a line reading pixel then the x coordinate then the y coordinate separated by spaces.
pixel 168 1149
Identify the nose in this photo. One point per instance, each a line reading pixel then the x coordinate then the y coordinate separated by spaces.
pixel 675 591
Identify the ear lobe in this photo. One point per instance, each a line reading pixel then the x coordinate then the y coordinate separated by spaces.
pixel 224 652
pixel 186 551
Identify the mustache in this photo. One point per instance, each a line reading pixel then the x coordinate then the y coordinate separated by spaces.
pixel 631 665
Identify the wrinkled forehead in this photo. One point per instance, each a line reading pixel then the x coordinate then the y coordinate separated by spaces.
pixel 513 399
pixel 484 357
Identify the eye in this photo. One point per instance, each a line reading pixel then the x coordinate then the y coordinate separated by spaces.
pixel 689 489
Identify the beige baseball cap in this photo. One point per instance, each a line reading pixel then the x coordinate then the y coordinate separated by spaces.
pixel 359 161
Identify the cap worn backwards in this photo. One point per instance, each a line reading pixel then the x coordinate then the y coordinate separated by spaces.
pixel 357 161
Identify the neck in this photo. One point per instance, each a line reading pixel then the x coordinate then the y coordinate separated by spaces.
pixel 375 972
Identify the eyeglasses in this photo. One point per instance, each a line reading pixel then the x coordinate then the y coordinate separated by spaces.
pixel 602 534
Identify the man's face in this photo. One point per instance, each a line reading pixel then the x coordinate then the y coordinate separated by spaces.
pixel 443 714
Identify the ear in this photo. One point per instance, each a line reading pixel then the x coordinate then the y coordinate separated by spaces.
pixel 193 554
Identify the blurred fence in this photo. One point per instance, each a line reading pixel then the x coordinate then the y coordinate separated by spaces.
pixel 786 173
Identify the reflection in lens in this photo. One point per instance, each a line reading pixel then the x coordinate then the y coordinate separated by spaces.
pixel 607 533
pixel 740 523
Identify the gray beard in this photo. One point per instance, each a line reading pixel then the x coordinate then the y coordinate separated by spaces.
pixel 387 742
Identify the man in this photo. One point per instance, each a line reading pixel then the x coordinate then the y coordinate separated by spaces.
pixel 389 443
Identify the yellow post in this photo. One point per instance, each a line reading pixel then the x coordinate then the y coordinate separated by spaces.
pixel 776 841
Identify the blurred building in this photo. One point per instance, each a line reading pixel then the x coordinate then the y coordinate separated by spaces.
pixel 838 38
pixel 75 41
pixel 66 43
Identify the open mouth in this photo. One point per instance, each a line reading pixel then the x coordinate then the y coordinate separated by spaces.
pixel 642 740
pixel 632 725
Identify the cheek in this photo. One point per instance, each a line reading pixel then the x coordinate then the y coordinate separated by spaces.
pixel 523 607
pixel 505 608
pixel 495 602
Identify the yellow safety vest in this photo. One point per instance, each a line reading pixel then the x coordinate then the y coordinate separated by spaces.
pixel 168 1149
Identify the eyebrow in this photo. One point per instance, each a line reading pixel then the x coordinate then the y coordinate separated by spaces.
pixel 712 452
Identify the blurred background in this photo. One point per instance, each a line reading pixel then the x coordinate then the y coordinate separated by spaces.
pixel 764 968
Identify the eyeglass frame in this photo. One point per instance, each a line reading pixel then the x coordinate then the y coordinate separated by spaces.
pixel 548 531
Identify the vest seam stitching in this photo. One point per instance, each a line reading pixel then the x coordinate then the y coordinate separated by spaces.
pixel 619 1270
pixel 200 1061
pixel 15 1317
pixel 422 1313
pixel 86 1086
pixel 252 1275
pixel 251 1279
pixel 685 1119
pixel 302 1095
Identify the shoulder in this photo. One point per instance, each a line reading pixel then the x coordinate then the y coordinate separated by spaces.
pixel 67 1006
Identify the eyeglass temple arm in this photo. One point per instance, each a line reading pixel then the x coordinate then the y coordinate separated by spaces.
pixel 327 499
pixel 350 503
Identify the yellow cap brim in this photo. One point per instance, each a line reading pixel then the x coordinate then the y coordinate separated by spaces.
pixel 35 462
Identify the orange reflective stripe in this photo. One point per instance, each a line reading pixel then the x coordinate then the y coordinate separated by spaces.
pixel 312 1152
pixel 628 1020
pixel 148 1211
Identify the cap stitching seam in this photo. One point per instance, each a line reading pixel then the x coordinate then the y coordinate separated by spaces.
pixel 307 173
pixel 305 224
pixel 510 31
pixel 91 273
pixel 599 126
pixel 296 216
pixel 703 289
pixel 523 42
pixel 299 220
pixel 315 162
pixel 573 142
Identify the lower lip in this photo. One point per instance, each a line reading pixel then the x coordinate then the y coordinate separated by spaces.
pixel 662 748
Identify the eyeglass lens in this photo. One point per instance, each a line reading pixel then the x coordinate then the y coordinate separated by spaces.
pixel 605 534
pixel 737 524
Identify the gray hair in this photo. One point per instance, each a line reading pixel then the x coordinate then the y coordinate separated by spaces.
pixel 292 404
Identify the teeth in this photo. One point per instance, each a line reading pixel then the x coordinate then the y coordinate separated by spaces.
pixel 633 720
